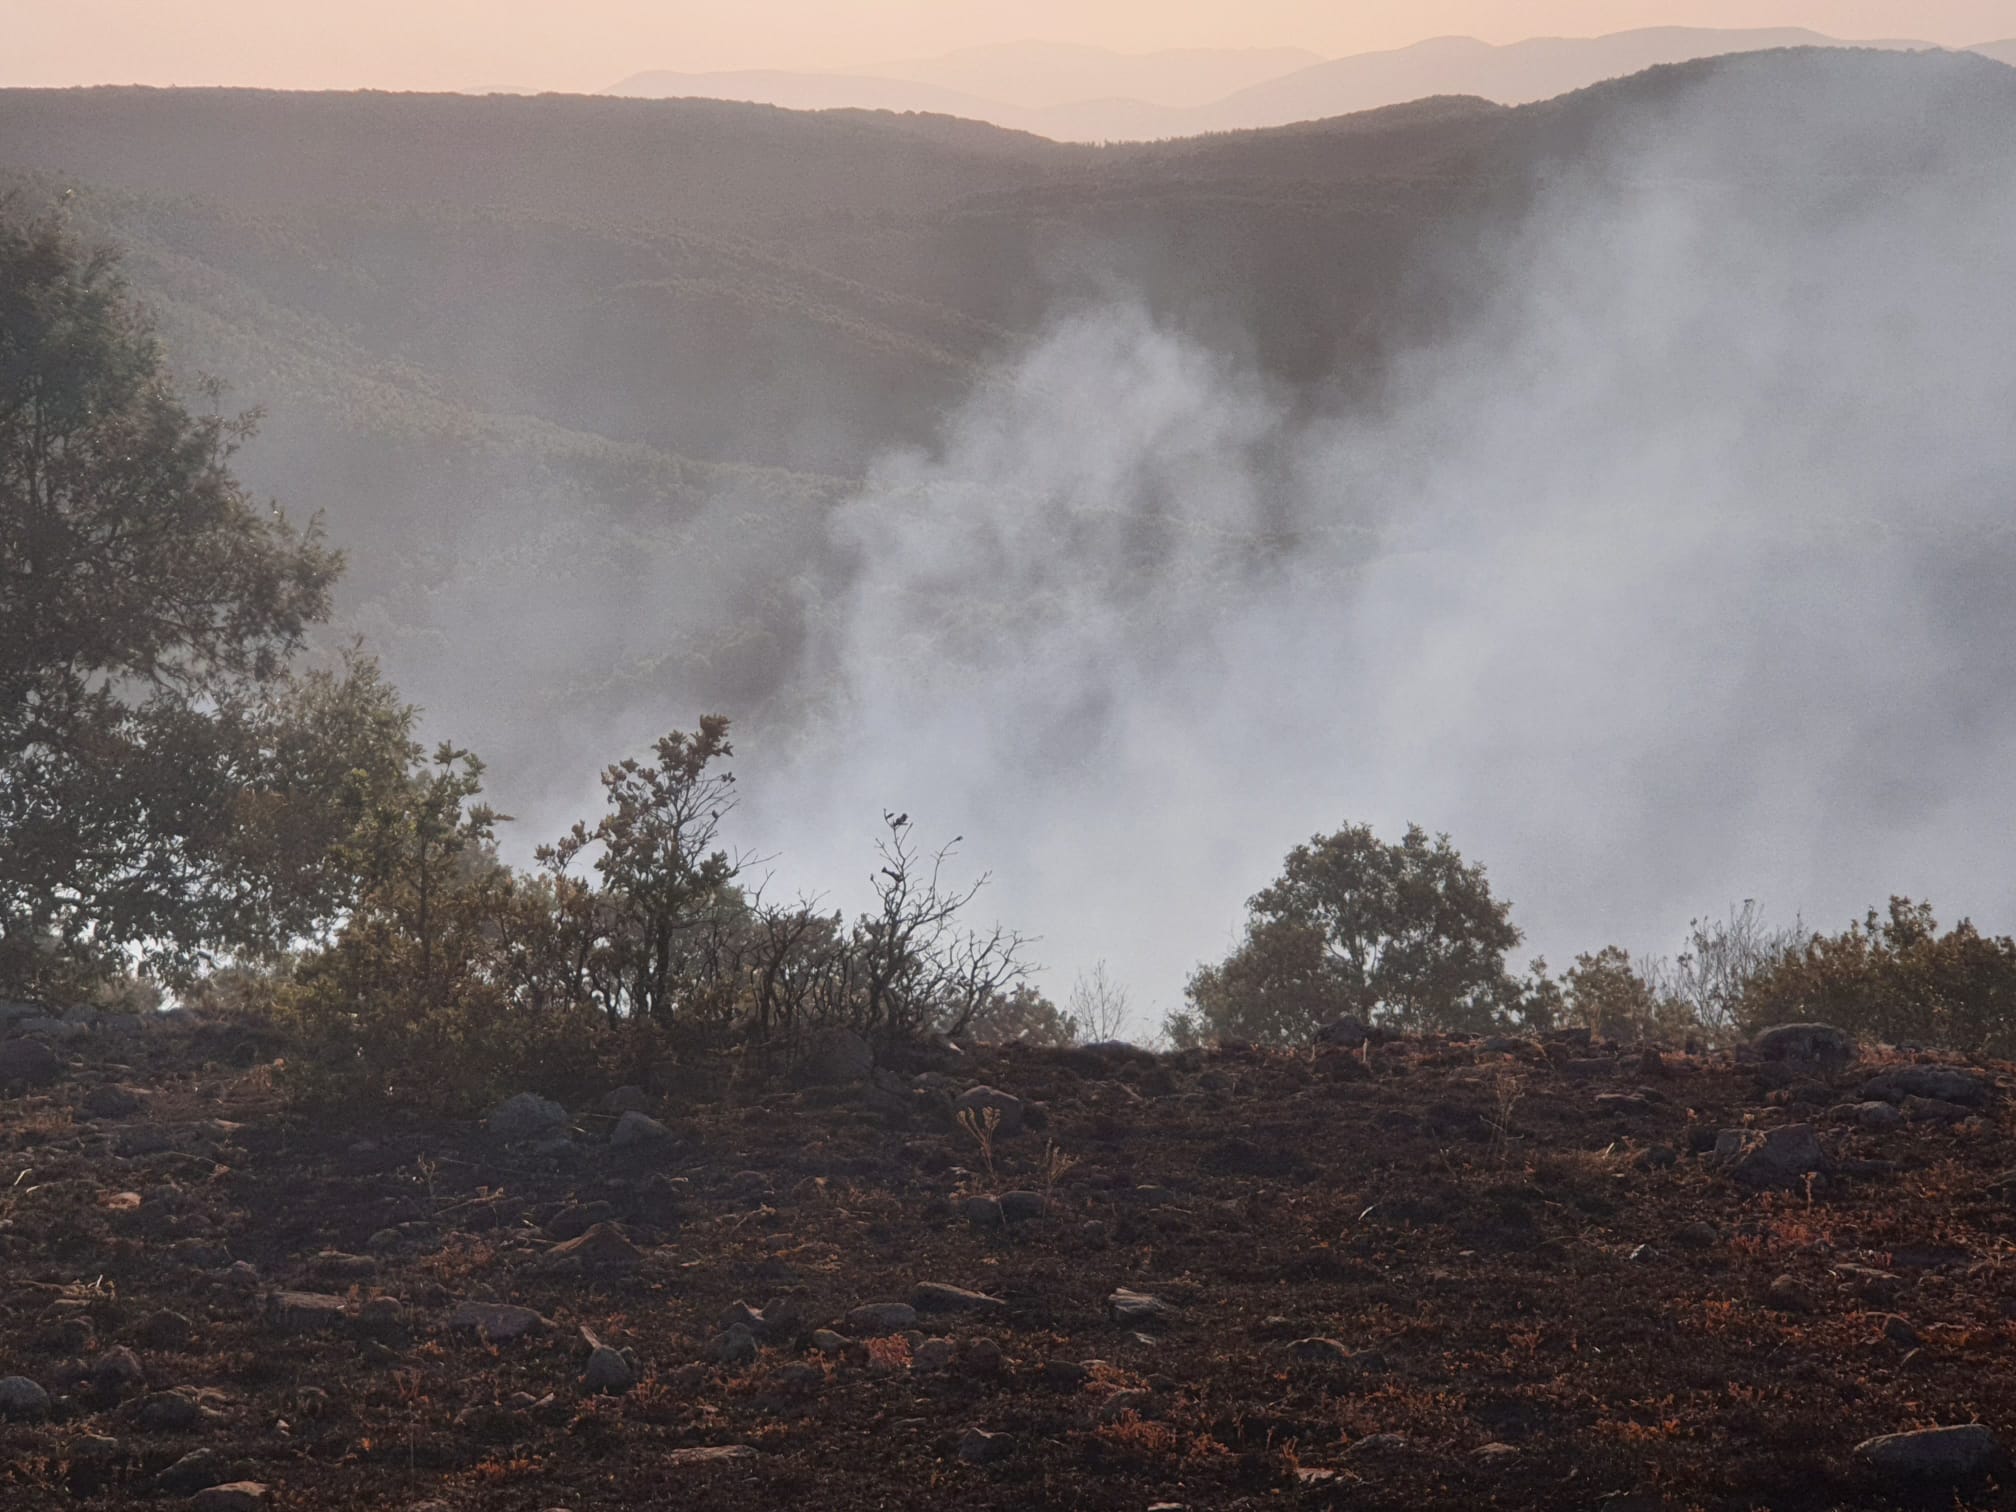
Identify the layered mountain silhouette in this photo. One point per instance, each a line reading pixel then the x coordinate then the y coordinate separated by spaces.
pixel 1090 94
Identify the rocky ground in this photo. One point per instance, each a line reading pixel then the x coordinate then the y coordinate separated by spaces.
pixel 1427 1273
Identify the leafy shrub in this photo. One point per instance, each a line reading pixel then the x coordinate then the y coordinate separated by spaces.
pixel 1895 977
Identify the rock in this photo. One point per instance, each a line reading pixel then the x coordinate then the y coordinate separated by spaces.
pixel 733 1346
pixel 882 1318
pixel 1900 1332
pixel 576 1218
pixel 196 1470
pixel 1820 1043
pixel 983 1358
pixel 983 1211
pixel 174 1411
pixel 1955 1084
pixel 1787 1294
pixel 712 1454
pixel 931 1356
pixel 111 1101
pixel 1781 1157
pixel 1696 1235
pixel 335 1267
pixel 827 1342
pixel 800 1378
pixel 739 1314
pixel 979 1447
pixel 496 1321
pixel 1319 1352
pixel 1097 1233
pixel 978 1100
pixel 233 1496
pixel 22 1400
pixel 937 1296
pixel 1875 1115
pixel 1494 1456
pixel 1132 1309
pixel 636 1129
pixel 1622 1103
pixel 626 1100
pixel 383 1316
pixel 166 1329
pixel 118 1374
pixel 527 1116
pixel 1348 1033
pixel 13 1012
pixel 603 1247
pixel 1021 1207
pixel 28 1063
pixel 305 1312
pixel 1933 1454
pixel 1934 1110
pixel 832 1057
pixel 608 1372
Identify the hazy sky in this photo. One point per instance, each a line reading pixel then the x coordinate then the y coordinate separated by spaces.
pixel 589 44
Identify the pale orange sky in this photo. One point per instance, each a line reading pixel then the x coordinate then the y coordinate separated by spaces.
pixel 589 44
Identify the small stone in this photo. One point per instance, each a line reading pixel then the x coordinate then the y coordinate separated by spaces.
pixel 1934 1110
pixel 626 1100
pixel 1096 1233
pixel 1788 1295
pixel 1698 1235
pixel 827 1342
pixel 527 1117
pixel 1345 1033
pixel 1132 1308
pixel 733 1346
pixel 1876 1115
pixel 983 1358
pixel 118 1374
pixel 170 1411
pixel 21 1399
pixel 1319 1352
pixel 1494 1456
pixel 978 1100
pixel 1955 1084
pixel 712 1454
pixel 193 1472
pixel 233 1496
pixel 979 1447
pixel 1934 1454
pixel 28 1063
pixel 834 1056
pixel 382 1315
pixel 111 1101
pixel 937 1296
pixel 1804 1042
pixel 166 1329
pixel 608 1372
pixel 1900 1332
pixel 881 1318
pixel 931 1356
pixel 983 1211
pixel 638 1130
pixel 1021 1207
pixel 1781 1157
pixel 1627 1103
pixel 305 1312
pixel 603 1247
pixel 496 1321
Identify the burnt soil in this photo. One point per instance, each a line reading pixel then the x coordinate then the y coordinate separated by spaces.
pixel 1534 1299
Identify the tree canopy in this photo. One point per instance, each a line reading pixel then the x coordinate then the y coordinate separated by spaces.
pixel 168 780
pixel 1405 934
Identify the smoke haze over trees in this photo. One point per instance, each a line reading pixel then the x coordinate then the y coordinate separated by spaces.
pixel 1620 484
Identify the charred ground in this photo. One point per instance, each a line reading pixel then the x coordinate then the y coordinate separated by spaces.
pixel 1431 1272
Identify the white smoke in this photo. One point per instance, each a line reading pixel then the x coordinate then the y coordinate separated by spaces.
pixel 1672 577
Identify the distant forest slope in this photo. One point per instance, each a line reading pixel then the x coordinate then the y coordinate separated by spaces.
pixel 523 351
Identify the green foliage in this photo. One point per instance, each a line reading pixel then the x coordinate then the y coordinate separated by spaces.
pixel 1895 977
pixel 1022 1014
pixel 169 787
pixel 1407 935
pixel 1610 997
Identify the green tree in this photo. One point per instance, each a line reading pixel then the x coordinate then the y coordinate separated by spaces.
pixel 1407 935
pixel 169 787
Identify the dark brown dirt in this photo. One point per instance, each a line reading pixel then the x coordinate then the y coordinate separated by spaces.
pixel 1499 1259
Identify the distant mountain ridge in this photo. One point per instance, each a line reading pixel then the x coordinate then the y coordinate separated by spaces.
pixel 1025 87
